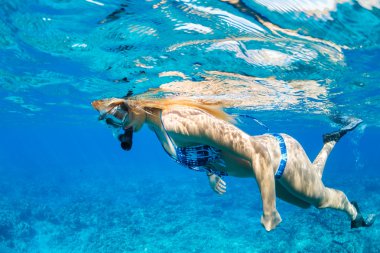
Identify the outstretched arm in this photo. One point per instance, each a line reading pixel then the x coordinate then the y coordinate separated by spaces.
pixel 188 125
pixel 265 179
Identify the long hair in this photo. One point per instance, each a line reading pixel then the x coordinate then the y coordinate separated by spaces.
pixel 137 105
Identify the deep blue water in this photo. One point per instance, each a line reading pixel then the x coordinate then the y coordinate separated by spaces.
pixel 66 185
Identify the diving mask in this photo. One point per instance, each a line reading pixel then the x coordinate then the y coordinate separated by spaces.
pixel 116 117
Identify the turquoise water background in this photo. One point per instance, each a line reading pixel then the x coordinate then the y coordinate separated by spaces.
pixel 66 185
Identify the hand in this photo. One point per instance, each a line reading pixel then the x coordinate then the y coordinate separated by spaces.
pixel 216 183
pixel 271 221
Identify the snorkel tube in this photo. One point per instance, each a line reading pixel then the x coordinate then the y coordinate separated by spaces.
pixel 126 139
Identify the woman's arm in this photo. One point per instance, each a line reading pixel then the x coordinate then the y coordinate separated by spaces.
pixel 190 125
pixel 264 175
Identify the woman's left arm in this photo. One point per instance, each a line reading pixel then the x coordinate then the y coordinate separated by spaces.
pixel 217 184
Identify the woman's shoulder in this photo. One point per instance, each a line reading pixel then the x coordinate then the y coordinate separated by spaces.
pixel 186 119
pixel 181 113
pixel 190 108
pixel 183 110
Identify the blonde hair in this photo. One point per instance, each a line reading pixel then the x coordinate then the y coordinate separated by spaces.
pixel 141 105
pixel 212 108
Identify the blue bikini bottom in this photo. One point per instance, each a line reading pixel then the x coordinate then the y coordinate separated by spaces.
pixel 284 156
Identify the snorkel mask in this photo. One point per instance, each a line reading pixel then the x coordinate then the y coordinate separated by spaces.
pixel 117 119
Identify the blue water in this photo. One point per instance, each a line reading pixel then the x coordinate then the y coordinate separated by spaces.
pixel 65 184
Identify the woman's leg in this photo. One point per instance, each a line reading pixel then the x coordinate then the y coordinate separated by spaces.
pixel 320 161
pixel 336 199
pixel 305 183
pixel 329 141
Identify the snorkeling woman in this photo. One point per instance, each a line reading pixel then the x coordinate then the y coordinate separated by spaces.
pixel 202 137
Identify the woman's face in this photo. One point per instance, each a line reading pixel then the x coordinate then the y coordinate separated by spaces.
pixel 115 113
pixel 117 116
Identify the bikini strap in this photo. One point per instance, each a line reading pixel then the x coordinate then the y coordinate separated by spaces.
pixel 172 145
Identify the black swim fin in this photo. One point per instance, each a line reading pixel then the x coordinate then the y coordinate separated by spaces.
pixel 352 123
pixel 359 220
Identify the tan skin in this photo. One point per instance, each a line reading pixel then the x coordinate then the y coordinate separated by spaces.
pixel 246 156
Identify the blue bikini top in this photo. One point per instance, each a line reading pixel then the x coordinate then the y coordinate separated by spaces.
pixel 198 157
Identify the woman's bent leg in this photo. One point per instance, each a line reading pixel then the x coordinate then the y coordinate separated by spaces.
pixel 337 200
pixel 314 192
pixel 329 141
pixel 320 161
pixel 305 184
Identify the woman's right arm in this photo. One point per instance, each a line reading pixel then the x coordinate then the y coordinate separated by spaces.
pixel 193 125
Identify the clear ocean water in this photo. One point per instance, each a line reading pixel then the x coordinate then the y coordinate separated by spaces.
pixel 67 186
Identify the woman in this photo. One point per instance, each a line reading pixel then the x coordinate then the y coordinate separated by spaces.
pixel 202 137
